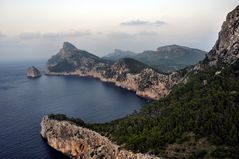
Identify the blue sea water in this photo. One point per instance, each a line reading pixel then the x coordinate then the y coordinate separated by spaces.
pixel 23 102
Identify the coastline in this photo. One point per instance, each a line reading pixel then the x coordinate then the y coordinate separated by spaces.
pixel 149 94
pixel 75 140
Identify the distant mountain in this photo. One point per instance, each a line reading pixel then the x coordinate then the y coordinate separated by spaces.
pixel 119 54
pixel 70 58
pixel 126 72
pixel 172 57
pixel 166 59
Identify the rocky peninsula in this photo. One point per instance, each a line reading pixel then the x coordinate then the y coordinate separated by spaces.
pixel 81 143
pixel 127 73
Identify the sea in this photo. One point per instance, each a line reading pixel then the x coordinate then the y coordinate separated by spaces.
pixel 24 101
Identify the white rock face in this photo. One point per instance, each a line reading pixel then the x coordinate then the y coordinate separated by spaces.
pixel 81 143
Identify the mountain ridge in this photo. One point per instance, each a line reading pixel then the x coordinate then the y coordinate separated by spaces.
pixel 166 58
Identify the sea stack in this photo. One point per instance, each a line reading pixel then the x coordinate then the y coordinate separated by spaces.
pixel 33 72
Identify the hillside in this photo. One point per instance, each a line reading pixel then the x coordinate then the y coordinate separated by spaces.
pixel 119 54
pixel 199 119
pixel 132 65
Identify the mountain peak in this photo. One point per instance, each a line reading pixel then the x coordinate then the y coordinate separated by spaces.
pixel 172 47
pixel 68 45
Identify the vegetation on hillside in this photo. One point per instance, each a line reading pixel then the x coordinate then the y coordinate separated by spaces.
pixel 63 117
pixel 206 107
pixel 134 66
pixel 198 119
pixel 62 66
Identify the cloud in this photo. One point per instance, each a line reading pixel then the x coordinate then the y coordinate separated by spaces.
pixel 160 23
pixel 143 23
pixel 37 35
pixel 135 22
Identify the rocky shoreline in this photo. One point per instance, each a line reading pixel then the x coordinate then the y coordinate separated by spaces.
pixel 158 90
pixel 81 143
pixel 126 73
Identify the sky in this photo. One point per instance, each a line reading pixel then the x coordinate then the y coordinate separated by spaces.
pixel 36 29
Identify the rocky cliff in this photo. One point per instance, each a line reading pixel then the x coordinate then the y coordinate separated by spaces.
pixel 33 72
pixel 226 49
pixel 126 73
pixel 81 143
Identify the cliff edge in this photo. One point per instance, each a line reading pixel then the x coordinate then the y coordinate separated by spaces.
pixel 81 143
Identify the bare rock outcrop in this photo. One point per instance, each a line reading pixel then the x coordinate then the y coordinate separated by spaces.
pixel 226 49
pixel 81 143
pixel 33 72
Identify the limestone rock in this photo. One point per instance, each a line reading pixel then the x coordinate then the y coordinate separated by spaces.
pixel 226 49
pixel 81 143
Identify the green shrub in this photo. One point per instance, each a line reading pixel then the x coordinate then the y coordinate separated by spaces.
pixel 62 117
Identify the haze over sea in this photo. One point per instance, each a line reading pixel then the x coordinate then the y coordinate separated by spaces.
pixel 23 102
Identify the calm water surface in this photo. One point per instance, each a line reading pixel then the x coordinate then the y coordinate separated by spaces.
pixel 24 101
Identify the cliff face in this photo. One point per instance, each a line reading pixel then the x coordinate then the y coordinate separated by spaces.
pixel 226 49
pixel 33 72
pixel 126 73
pixel 81 143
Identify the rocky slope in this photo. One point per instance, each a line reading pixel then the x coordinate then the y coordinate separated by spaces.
pixel 166 58
pixel 226 49
pixel 33 72
pixel 81 143
pixel 126 73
